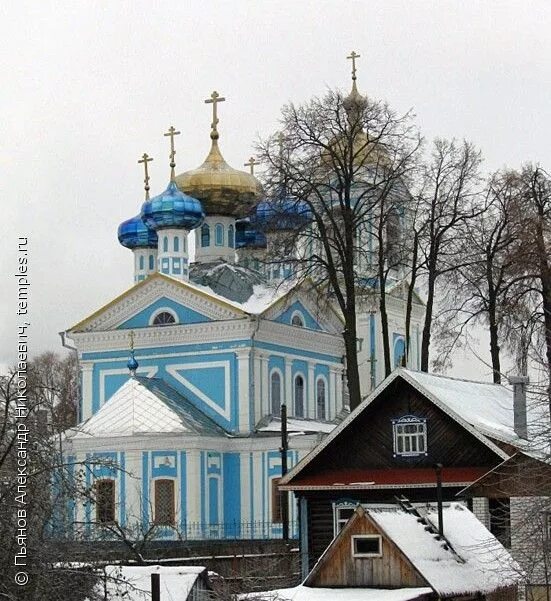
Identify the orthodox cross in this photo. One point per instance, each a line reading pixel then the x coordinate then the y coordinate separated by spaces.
pixel 353 56
pixel 214 99
pixel 131 336
pixel 171 133
pixel 251 164
pixel 146 159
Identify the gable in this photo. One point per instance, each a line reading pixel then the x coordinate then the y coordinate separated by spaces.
pixel 297 308
pixel 366 443
pixel 192 302
pixel 181 313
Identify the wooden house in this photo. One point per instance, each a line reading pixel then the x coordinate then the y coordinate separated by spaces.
pixel 389 445
pixel 400 549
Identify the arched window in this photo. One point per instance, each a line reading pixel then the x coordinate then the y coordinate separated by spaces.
pixel 399 351
pixel 275 393
pixel 151 263
pixel 165 244
pixel 176 244
pixel 164 318
pixel 164 502
pixel 321 399
pixel 105 501
pixel 231 242
pixel 219 235
pixel 205 235
pixel 142 262
pixel 297 320
pixel 299 396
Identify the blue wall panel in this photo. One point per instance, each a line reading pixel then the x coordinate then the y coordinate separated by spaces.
pixel 287 315
pixel 185 315
pixel 232 494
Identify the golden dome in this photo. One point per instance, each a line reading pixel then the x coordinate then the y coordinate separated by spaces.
pixel 222 189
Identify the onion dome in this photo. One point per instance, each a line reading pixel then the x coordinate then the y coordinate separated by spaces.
pixel 172 209
pixel 133 233
pixel 283 213
pixel 248 237
pixel 222 189
pixel 132 364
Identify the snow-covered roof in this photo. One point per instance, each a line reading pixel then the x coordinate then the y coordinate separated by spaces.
pixel 306 593
pixel 296 426
pixel 147 406
pixel 476 561
pixel 133 583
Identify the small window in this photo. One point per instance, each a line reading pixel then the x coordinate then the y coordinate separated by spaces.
pixel 297 320
pixel 219 234
pixel 342 514
pixel 164 318
pixel 105 501
pixel 176 244
pixel 231 241
pixel 321 398
pixel 410 436
pixel 276 501
pixel 164 502
pixel 165 244
pixel 205 235
pixel 275 391
pixel 299 396
pixel 151 263
pixel 366 545
pixel 142 262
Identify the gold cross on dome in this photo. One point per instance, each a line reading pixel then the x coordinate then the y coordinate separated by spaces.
pixel 252 162
pixel 146 159
pixel 353 56
pixel 172 132
pixel 214 99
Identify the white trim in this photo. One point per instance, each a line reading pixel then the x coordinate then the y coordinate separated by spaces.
pixel 224 412
pixel 304 399
pixel 356 554
pixel 281 388
pixel 300 315
pixel 164 310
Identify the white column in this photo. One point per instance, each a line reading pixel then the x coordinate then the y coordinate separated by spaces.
pixel 332 405
pixel 338 390
pixel 133 488
pixel 257 383
pixel 265 387
pixel 243 402
pixel 193 486
pixel 289 386
pixel 311 400
pixel 87 390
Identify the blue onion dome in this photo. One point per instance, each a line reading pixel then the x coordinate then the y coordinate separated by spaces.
pixel 172 209
pixel 132 363
pixel 133 233
pixel 282 213
pixel 246 236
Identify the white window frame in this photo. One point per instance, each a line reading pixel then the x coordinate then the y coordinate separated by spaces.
pixel 301 317
pixel 164 310
pixel 323 379
pixel 304 400
pixel 338 522
pixel 281 388
pixel 356 537
pixel 409 420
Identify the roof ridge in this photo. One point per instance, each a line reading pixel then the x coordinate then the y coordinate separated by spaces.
pixel 445 377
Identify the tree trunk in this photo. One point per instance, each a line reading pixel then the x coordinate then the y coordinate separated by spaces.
pixel 409 301
pixel 427 326
pixel 352 369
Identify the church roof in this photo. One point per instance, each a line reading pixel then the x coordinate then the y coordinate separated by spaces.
pixel 233 282
pixel 147 406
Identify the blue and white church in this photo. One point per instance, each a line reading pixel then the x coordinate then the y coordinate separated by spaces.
pixel 183 375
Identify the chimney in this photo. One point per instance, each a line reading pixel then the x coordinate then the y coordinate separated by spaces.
pixel 519 405
pixel 155 587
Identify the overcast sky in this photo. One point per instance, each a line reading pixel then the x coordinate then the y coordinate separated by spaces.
pixel 87 87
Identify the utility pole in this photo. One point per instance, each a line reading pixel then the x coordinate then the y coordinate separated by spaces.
pixel 284 494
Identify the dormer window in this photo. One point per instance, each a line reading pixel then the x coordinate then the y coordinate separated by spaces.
pixel 410 436
pixel 297 319
pixel 163 318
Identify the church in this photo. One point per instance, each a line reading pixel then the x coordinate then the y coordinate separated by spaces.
pixel 183 375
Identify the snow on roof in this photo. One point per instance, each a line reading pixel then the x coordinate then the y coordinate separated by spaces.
pixel 296 426
pixel 133 583
pixel 306 593
pixel 477 563
pixel 486 406
pixel 147 406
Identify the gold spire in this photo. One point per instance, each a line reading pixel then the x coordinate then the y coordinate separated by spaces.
pixel 146 159
pixel 354 103
pixel 131 336
pixel 252 162
pixel 172 132
pixel 214 99
pixel 353 56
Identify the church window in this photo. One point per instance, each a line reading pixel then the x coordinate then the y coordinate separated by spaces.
pixel 176 244
pixel 105 501
pixel 219 234
pixel 299 396
pixel 276 501
pixel 399 350
pixel 165 244
pixel 231 241
pixel 142 262
pixel 205 235
pixel 275 392
pixel 297 320
pixel 367 545
pixel 321 398
pixel 151 262
pixel 163 318
pixel 164 502
pixel 410 436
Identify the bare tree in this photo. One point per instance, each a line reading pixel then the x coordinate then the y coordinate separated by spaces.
pixel 340 170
